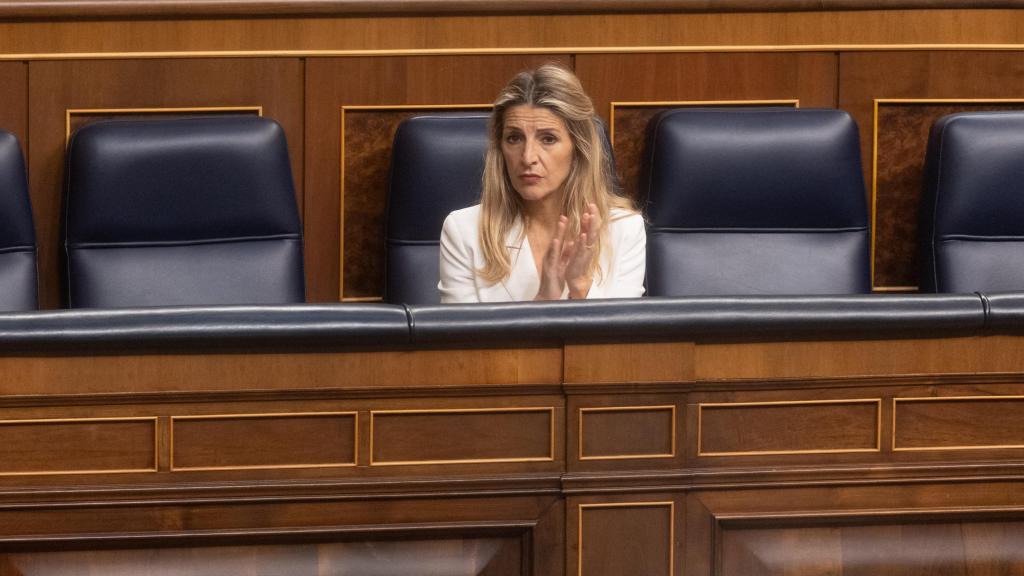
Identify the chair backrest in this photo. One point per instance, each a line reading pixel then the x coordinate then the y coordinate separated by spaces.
pixel 196 211
pixel 755 201
pixel 972 206
pixel 437 162
pixel 18 289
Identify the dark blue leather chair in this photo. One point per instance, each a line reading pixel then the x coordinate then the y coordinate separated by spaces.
pixel 18 289
pixel 972 206
pixel 197 211
pixel 437 162
pixel 755 201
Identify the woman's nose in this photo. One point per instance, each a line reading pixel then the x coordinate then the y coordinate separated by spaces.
pixel 529 152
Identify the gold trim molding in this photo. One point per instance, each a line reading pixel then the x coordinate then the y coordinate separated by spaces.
pixel 550 410
pixel 896 401
pixel 156 444
pixel 639 456
pixel 785 403
pixel 671 505
pixel 355 441
pixel 555 50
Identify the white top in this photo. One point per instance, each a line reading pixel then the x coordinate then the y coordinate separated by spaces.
pixel 623 261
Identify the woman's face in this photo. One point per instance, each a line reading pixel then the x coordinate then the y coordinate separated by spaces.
pixel 538 152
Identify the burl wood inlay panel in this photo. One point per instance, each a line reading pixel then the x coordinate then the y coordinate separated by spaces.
pixel 629 123
pixel 77 446
pixel 958 423
pixel 626 538
pixel 901 143
pixel 367 136
pixel 788 427
pixel 263 441
pixel 450 436
pixel 901 548
pixel 627 432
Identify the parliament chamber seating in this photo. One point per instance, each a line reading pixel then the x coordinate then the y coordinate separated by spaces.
pixel 17 231
pixel 755 201
pixel 437 162
pixel 972 207
pixel 186 211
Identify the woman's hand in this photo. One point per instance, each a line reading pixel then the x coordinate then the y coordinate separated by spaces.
pixel 568 262
pixel 577 271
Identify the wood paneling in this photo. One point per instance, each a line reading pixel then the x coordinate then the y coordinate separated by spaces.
pixel 827 28
pixel 55 87
pixel 745 429
pixel 333 83
pixel 473 555
pixel 448 436
pixel 634 363
pixel 77 446
pixel 14 99
pixel 634 537
pixel 958 423
pixel 965 355
pixel 946 548
pixel 351 371
pixel 627 432
pixel 263 441
pixel 865 77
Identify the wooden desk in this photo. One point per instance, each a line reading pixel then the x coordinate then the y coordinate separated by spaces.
pixel 742 457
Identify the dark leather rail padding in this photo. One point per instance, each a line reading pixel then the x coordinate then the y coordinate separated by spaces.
pixel 721 317
pixel 202 328
pixel 1004 311
pixel 67 9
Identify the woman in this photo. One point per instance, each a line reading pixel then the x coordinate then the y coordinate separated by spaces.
pixel 550 225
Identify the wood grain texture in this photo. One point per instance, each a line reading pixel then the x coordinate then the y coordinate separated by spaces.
pixel 965 355
pixel 865 77
pixel 508 33
pixel 972 423
pixel 623 536
pixel 55 87
pixel 333 83
pixel 77 446
pixel 629 363
pixel 14 100
pixel 902 141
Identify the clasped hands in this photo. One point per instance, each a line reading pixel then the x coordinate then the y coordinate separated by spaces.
pixel 568 262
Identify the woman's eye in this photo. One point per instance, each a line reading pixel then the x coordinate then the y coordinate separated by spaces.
pixel 512 138
pixel 548 139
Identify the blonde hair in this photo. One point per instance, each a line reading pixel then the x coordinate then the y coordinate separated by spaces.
pixel 590 179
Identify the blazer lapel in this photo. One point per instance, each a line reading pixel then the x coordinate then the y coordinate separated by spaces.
pixel 522 282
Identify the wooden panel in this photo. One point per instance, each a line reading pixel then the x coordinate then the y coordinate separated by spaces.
pixel 958 423
pixel 348 32
pixel 274 84
pixel 627 432
pixel 333 83
pixel 865 77
pixel 14 100
pixel 798 427
pixel 946 548
pixel 628 126
pixel 626 538
pixel 242 441
pixel 448 436
pixel 77 446
pixel 964 355
pixel 632 363
pixel 353 371
pixel 478 555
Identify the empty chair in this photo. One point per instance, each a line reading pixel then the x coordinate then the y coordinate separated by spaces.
pixel 17 234
pixel 755 202
pixel 972 207
pixel 437 162
pixel 197 211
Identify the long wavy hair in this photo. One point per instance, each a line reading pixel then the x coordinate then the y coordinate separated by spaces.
pixel 590 179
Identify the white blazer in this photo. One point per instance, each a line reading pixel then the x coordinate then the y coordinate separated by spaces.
pixel 623 262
